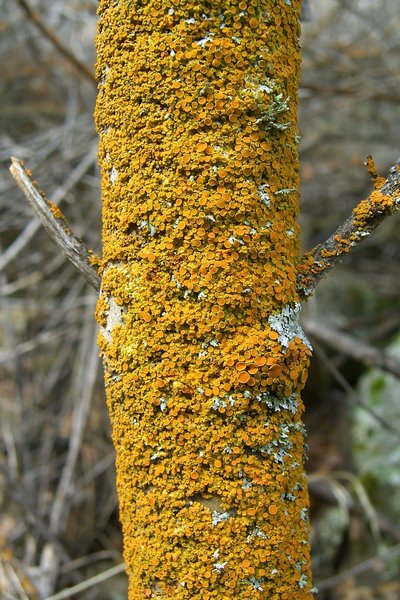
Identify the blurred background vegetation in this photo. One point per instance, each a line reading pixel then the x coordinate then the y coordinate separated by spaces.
pixel 58 508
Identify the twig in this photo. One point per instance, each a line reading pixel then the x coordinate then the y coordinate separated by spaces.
pixel 82 389
pixel 360 494
pixel 384 200
pixel 56 225
pixel 14 579
pixel 92 581
pixel 89 559
pixel 52 37
pixel 310 89
pixel 351 395
pixel 101 466
pixel 317 485
pixel 18 492
pixel 57 196
pixel 366 565
pixel 357 349
pixel 25 347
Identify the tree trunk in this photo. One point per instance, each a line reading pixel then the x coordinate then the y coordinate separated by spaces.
pixel 198 310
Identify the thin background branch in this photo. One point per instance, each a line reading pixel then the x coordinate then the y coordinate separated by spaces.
pixel 55 41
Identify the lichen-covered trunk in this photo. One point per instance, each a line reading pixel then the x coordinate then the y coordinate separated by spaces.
pixel 198 310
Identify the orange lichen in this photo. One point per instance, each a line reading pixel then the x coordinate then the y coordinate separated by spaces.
pixel 244 377
pixel 373 171
pixel 197 121
pixel 366 216
pixel 56 210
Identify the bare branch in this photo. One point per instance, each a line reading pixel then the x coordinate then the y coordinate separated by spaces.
pixel 357 349
pixel 351 394
pixel 384 200
pixel 20 494
pixel 56 225
pixel 92 581
pixel 374 562
pixel 82 389
pixel 29 345
pixel 55 40
pixel 23 239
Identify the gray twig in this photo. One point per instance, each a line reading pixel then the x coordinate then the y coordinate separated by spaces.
pixel 349 345
pixel 85 585
pixel 83 392
pixel 58 195
pixel 56 225
pixel 55 40
pixel 351 394
pixel 384 200
pixel 19 493
pixel 367 565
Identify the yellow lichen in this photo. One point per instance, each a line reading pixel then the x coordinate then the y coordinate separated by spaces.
pixel 197 121
pixel 56 210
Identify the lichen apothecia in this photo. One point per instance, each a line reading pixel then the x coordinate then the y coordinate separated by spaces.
pixel 203 355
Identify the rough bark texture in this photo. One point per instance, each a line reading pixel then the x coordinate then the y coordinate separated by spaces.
pixel 203 355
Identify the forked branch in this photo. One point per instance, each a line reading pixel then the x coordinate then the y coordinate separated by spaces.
pixel 384 200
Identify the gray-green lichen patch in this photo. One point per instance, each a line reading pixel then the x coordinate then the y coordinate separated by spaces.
pixel 286 324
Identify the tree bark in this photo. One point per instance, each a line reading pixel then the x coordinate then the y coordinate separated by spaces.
pixel 203 354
